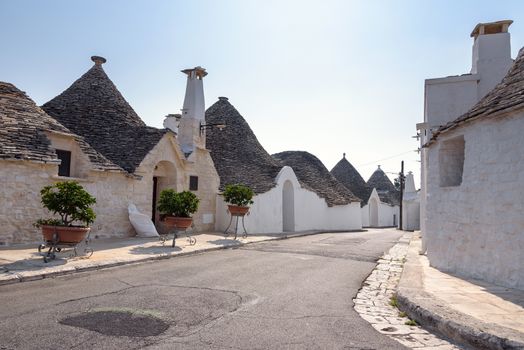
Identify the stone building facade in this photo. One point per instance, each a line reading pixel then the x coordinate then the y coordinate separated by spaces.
pixel 379 198
pixel 294 190
pixel 474 224
pixel 445 99
pixel 108 150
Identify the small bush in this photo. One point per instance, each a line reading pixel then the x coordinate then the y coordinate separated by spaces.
pixel 393 301
pixel 410 323
pixel 181 204
pixel 238 194
pixel 69 200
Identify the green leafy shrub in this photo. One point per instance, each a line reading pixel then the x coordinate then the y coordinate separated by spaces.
pixel 69 200
pixel 180 204
pixel 238 194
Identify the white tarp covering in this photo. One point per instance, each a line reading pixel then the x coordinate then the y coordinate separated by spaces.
pixel 142 223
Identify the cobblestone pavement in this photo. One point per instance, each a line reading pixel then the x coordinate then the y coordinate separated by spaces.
pixel 376 299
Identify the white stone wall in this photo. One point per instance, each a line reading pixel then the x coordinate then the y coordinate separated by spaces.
pixel 310 211
pixel 199 164
pixel 385 213
pixel 411 215
pixel 476 229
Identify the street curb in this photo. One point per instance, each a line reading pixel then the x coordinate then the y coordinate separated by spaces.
pixel 432 314
pixel 17 278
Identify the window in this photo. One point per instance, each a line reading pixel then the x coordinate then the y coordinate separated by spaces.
pixel 451 162
pixel 193 183
pixel 64 169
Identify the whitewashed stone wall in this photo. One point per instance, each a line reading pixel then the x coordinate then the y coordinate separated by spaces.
pixel 476 229
pixel 310 211
pixel 21 182
pixel 385 213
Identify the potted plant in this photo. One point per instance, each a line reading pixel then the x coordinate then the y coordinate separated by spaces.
pixel 239 198
pixel 177 207
pixel 73 204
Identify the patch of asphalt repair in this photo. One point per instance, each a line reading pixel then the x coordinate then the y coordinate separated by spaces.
pixel 119 322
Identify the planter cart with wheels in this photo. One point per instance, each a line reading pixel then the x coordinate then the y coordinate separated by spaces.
pixel 55 241
pixel 178 228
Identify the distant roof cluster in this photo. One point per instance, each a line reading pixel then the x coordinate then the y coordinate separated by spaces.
pixel 313 175
pixel 106 127
pixel 240 158
pixel 385 189
pixel 346 173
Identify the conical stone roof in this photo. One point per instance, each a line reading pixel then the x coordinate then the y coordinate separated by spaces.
pixel 385 189
pixel 236 152
pixel 506 97
pixel 93 108
pixel 346 174
pixel 22 130
pixel 313 175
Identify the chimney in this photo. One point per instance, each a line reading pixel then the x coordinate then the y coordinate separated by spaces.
pixel 193 112
pixel 491 56
pixel 409 184
pixel 171 122
pixel 98 60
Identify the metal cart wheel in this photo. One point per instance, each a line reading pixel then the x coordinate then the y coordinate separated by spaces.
pixel 192 240
pixel 88 252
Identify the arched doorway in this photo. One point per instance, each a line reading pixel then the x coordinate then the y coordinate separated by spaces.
pixel 164 176
pixel 288 207
pixel 373 213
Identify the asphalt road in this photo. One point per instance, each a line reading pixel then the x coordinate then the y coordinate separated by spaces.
pixel 288 294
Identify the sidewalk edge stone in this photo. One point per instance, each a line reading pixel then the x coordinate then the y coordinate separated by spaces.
pixel 461 328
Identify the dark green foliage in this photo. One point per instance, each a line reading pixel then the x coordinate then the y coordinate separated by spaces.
pixel 238 194
pixel 69 200
pixel 180 204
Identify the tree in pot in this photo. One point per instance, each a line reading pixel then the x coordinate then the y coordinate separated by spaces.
pixel 177 208
pixel 239 197
pixel 73 204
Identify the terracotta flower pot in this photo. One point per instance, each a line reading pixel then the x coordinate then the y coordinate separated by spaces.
pixel 235 210
pixel 178 222
pixel 66 234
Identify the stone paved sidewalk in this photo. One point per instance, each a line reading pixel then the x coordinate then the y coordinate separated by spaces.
pixel 24 263
pixel 376 303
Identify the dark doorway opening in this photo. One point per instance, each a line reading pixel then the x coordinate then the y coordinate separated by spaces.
pixel 155 186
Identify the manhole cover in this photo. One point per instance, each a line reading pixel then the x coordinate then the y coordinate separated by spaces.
pixel 129 323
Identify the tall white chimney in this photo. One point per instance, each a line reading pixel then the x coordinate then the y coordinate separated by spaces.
pixel 491 54
pixel 193 112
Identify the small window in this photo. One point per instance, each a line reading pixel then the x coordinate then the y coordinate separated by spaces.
pixel 451 162
pixel 193 183
pixel 64 169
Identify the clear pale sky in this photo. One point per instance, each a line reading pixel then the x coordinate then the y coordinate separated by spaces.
pixel 326 77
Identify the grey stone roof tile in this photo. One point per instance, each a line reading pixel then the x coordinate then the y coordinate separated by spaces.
pixel 94 108
pixel 236 152
pixel 23 127
pixel 314 176
pixel 385 189
pixel 346 174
